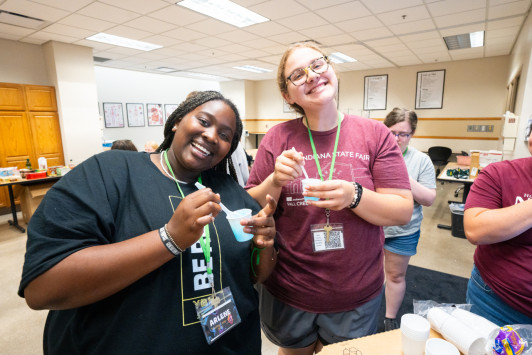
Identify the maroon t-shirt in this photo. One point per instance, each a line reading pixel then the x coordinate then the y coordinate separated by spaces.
pixel 341 280
pixel 506 266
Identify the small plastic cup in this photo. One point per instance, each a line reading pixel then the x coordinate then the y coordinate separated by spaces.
pixel 307 182
pixel 436 346
pixel 234 221
pixel 415 331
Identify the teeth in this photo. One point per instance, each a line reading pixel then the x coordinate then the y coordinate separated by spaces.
pixel 199 147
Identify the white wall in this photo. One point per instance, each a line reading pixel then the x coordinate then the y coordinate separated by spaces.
pixel 521 63
pixel 71 70
pixel 125 86
pixel 22 63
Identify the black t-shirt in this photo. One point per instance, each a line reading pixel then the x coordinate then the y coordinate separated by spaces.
pixel 118 195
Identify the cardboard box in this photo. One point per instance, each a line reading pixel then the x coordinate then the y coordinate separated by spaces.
pixel 388 343
pixel 30 198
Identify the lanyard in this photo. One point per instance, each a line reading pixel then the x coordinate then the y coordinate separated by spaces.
pixel 404 153
pixel 205 240
pixel 334 152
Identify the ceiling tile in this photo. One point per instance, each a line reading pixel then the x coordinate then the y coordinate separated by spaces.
pixel 150 24
pixel 302 21
pixel 325 30
pixel 404 15
pixel 508 22
pixel 70 5
pixel 278 9
pixel 461 18
pixel 178 15
pixel 86 22
pixel 413 27
pixel 378 7
pixel 267 29
pixel 211 27
pixel 128 32
pixel 108 13
pixel 184 34
pixel 142 7
pixel 32 9
pixel 343 12
pixel 509 9
pixel 442 8
pixel 360 24
pixel 61 29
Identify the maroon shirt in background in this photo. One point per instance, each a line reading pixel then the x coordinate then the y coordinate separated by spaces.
pixel 341 280
pixel 506 267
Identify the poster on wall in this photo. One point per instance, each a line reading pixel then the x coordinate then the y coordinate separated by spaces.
pixel 168 109
pixel 135 115
pixel 375 92
pixel 429 89
pixel 155 114
pixel 113 115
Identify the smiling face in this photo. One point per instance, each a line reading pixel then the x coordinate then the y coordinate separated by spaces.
pixel 202 139
pixel 402 128
pixel 318 89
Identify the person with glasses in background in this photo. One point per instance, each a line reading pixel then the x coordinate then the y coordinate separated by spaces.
pixel 328 283
pixel 401 241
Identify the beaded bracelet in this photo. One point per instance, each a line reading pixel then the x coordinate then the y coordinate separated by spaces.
pixel 357 195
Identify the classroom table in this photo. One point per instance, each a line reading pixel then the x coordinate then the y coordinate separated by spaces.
pixel 466 182
pixel 23 182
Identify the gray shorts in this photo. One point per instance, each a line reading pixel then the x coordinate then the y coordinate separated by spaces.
pixel 289 327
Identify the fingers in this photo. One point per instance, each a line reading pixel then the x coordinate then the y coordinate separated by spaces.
pixel 270 207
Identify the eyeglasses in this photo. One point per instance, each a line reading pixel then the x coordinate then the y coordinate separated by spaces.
pixel 401 134
pixel 318 66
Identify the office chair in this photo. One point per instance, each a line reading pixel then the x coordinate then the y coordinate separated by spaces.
pixel 440 157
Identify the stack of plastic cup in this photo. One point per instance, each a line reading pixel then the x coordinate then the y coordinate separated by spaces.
pixel 465 338
pixel 234 221
pixel 437 317
pixel 415 331
pixel 436 346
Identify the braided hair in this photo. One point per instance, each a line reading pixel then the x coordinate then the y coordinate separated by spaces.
pixel 194 100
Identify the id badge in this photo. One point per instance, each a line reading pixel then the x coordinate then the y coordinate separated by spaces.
pixel 217 316
pixel 322 242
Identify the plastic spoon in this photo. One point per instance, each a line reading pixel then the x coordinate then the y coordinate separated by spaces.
pixel 225 209
pixel 302 167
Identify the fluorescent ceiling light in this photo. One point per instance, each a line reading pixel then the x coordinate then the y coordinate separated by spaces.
pixel 166 69
pixel 338 57
pixel 476 39
pixel 123 42
pixel 253 69
pixel 466 40
pixel 224 10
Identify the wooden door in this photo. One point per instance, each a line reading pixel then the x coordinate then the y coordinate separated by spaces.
pixel 46 135
pixel 40 98
pixel 12 97
pixel 15 146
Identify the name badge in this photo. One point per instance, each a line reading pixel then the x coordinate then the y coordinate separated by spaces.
pixel 327 237
pixel 217 315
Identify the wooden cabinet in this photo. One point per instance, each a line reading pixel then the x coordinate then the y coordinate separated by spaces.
pixel 29 128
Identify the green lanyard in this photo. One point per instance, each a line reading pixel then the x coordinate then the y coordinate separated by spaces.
pixel 335 148
pixel 404 153
pixel 205 241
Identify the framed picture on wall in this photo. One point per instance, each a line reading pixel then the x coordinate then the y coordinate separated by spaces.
pixel 375 92
pixel 155 114
pixel 113 115
pixel 168 109
pixel 135 115
pixel 429 89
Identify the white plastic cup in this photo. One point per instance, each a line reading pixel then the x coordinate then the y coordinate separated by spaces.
pixel 306 183
pixel 465 338
pixel 234 221
pixel 415 331
pixel 436 346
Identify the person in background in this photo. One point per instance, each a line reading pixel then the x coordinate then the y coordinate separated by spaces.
pixel 498 219
pixel 401 241
pixel 240 165
pixel 127 259
pixel 124 144
pixel 150 146
pixel 327 285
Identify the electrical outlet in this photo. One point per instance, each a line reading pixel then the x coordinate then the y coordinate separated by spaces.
pixel 483 128
pixel 469 128
pixel 490 128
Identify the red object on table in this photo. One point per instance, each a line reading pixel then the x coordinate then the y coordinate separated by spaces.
pixel 38 175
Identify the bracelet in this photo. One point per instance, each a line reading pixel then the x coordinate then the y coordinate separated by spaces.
pixel 172 239
pixel 357 195
pixel 168 243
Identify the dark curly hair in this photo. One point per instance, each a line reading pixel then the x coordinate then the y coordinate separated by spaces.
pixel 194 100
